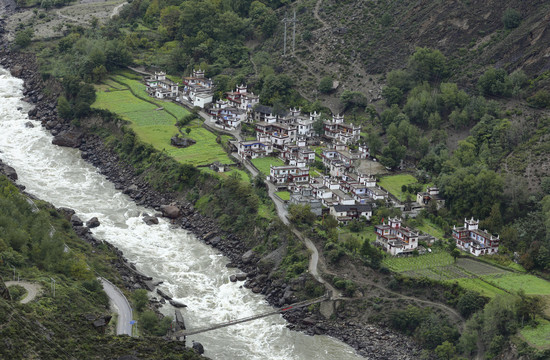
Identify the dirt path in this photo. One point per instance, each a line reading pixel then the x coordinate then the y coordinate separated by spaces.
pixel 33 290
pixel 316 13
pixel 117 9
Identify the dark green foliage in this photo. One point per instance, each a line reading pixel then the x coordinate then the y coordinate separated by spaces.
pixel 540 100
pixel 150 322
pixel 347 286
pixel 301 215
pixel 23 38
pixel 470 302
pixel 511 18
pixel 325 85
pixel 495 82
pixel 393 153
pixel 393 95
pixel 140 299
pixel 428 65
pixel 17 292
pixel 353 99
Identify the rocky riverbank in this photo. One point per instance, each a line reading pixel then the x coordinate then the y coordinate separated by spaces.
pixel 371 341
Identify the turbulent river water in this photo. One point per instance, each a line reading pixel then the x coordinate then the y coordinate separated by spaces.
pixel 193 273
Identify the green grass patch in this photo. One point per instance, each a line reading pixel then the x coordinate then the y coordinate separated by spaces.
pixel 263 164
pixel 284 195
pixel 538 336
pixel 531 284
pixel 480 286
pixel 430 228
pixel 393 184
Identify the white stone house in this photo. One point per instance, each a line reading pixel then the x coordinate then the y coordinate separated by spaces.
pixel 285 175
pixel 197 89
pixel 254 149
pixel 346 213
pixel 395 238
pixel 226 116
pixel 337 130
pixel 477 242
pixel 158 86
pixel 242 99
pixel 431 194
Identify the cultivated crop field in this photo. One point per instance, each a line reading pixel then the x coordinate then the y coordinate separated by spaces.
pixel 430 260
pixel 263 164
pixel 154 122
pixel 393 184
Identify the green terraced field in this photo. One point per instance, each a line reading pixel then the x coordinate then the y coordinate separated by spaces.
pixel 531 284
pixel 401 264
pixel 480 286
pixel 153 121
pixel 263 164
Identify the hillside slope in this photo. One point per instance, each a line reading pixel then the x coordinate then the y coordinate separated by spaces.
pixel 355 40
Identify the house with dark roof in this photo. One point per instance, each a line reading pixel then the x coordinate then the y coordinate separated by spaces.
pixel 346 213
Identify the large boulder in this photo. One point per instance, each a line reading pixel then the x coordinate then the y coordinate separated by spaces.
pixel 181 142
pixel 69 138
pixel 8 171
pixel 75 220
pixel 170 211
pixel 177 304
pixel 92 223
pixel 197 346
pixel 248 257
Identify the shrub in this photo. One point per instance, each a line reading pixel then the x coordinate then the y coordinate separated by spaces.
pixel 540 100
pixel 511 18
pixel 325 86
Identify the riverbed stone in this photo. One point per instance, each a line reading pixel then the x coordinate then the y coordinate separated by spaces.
pixel 75 220
pixel 177 304
pixel 70 138
pixel 248 256
pixel 170 211
pixel 241 276
pixel 151 220
pixel 93 223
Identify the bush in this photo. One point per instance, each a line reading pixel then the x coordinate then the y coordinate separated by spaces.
pixel 140 299
pixel 24 37
pixel 511 18
pixel 325 86
pixel 540 100
pixel 17 292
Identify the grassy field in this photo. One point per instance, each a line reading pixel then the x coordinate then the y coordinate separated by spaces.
pixel 262 164
pixel 366 234
pixel 153 121
pixel 430 260
pixel 480 286
pixel 532 285
pixel 284 195
pixel 537 336
pixel 393 184
pixel 430 228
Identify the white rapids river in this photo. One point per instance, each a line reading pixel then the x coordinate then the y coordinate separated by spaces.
pixel 193 273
